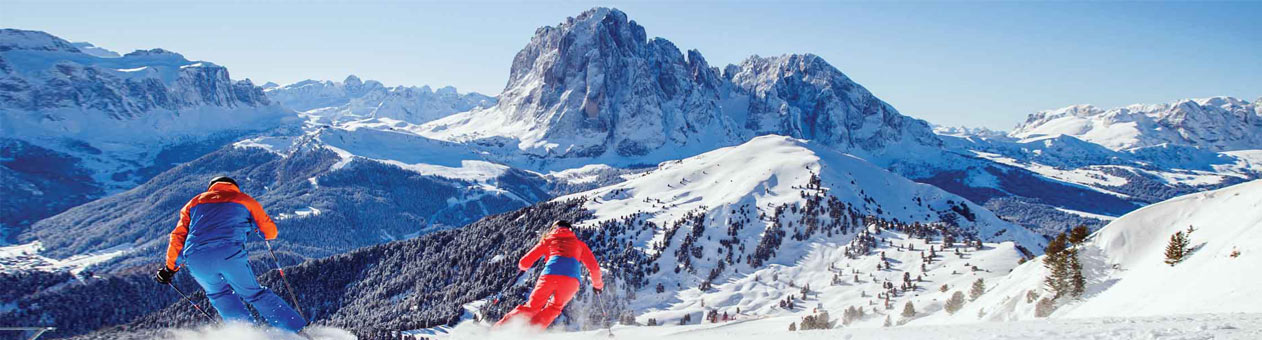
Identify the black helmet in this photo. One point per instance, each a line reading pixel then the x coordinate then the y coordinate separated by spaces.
pixel 562 223
pixel 221 179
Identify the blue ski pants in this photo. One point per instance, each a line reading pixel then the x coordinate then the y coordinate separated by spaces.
pixel 224 272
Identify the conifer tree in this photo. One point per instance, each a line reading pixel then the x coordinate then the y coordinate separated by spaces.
pixel 1177 248
pixel 1057 265
pixel 1079 234
pixel 909 310
pixel 955 302
pixel 979 287
pixel 1077 282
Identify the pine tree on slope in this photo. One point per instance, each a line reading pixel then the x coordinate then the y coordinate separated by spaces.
pixel 909 310
pixel 1177 248
pixel 955 302
pixel 1057 265
pixel 979 287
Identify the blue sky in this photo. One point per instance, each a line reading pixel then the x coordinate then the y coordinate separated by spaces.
pixel 964 63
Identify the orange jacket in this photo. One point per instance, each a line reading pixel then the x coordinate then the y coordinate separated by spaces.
pixel 222 214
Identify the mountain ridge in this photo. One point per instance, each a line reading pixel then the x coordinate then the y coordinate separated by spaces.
pixel 330 102
pixel 1215 123
pixel 109 123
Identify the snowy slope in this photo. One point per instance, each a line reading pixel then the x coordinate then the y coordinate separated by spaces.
pixel 1123 263
pixel 773 170
pixel 1215 123
pixel 329 102
pixel 25 257
pixel 1209 326
pixel 707 226
pixel 1209 280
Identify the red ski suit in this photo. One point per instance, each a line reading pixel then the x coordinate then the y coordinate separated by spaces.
pixel 560 276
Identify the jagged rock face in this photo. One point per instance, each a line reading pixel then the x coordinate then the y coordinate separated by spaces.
pixel 596 84
pixel 355 99
pixel 1216 123
pixel 40 72
pixel 803 96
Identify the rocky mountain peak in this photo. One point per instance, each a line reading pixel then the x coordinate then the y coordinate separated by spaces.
pixel 600 31
pixel 803 95
pixel 352 81
pixel 595 85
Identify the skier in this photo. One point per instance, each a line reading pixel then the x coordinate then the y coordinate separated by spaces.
pixel 560 279
pixel 210 240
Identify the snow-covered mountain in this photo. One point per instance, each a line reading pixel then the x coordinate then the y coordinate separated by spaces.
pixel 1215 123
pixel 595 86
pixel 595 90
pixel 359 186
pixel 1135 173
pixel 746 227
pixel 329 102
pixel 1125 269
pixel 743 226
pixel 77 125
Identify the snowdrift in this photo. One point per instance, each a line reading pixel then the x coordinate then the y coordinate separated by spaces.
pixel 1211 279
pixel 1125 269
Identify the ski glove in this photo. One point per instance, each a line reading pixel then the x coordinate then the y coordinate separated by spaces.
pixel 164 276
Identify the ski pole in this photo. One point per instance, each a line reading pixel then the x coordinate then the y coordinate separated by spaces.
pixel 604 312
pixel 288 287
pixel 190 301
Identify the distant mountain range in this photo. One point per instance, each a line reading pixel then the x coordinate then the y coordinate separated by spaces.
pixel 1216 123
pixel 77 125
pixel 330 102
